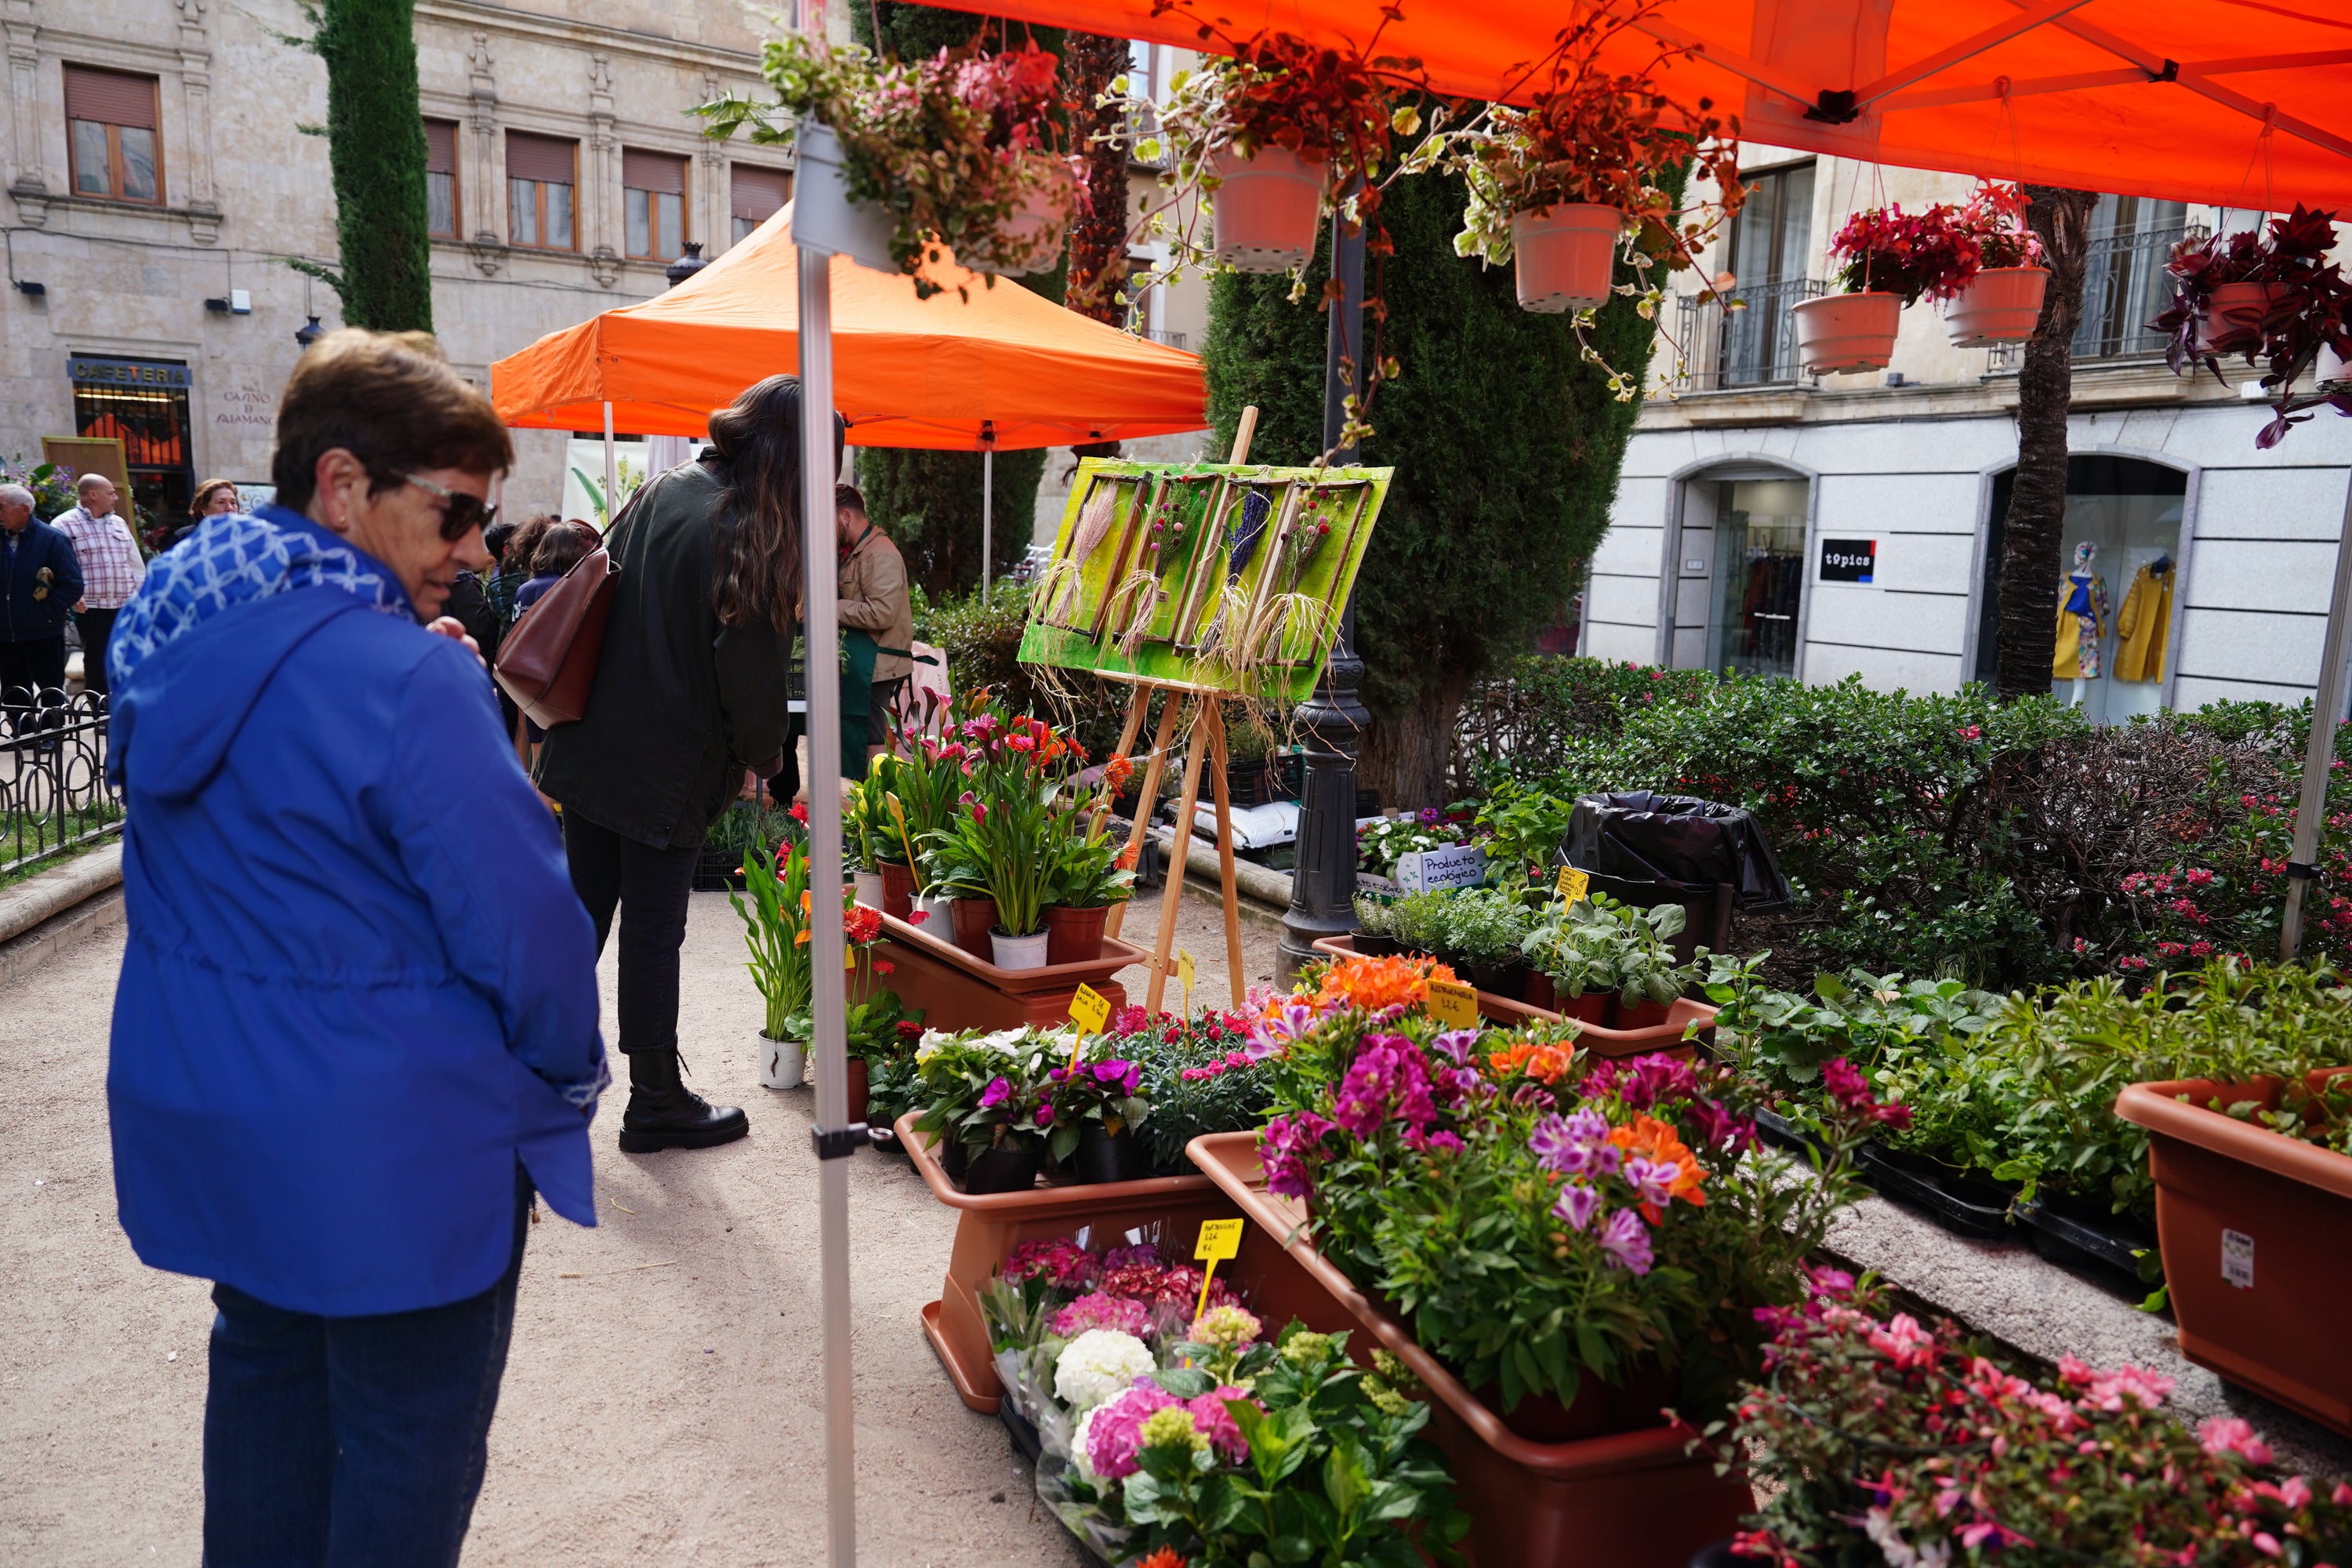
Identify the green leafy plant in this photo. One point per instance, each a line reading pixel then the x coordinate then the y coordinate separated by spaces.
pixel 1600 944
pixel 1202 1075
pixel 1524 829
pixel 775 918
pixel 1782 1038
pixel 993 1091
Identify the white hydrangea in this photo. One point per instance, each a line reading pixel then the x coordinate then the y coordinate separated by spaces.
pixel 1080 1451
pixel 1098 1364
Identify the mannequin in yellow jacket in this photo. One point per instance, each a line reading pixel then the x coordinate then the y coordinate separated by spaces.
pixel 2144 622
pixel 2081 621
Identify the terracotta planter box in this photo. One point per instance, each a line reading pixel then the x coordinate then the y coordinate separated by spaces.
pixel 1508 1011
pixel 1631 1499
pixel 958 990
pixel 2252 1225
pixel 989 1226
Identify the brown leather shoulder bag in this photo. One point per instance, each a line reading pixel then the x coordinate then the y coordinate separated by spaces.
pixel 548 661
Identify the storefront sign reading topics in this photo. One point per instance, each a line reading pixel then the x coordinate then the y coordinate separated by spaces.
pixel 1849 560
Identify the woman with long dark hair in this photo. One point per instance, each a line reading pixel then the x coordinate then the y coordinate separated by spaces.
pixel 691 690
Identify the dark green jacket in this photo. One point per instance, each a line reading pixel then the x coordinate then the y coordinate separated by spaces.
pixel 682 705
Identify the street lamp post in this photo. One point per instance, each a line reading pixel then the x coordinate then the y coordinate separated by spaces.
pixel 1323 875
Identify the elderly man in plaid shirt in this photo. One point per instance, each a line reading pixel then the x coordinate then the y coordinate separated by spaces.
pixel 111 570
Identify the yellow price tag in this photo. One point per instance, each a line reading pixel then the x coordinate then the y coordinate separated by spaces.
pixel 1088 1010
pixel 1453 1004
pixel 1220 1240
pixel 1184 973
pixel 1574 885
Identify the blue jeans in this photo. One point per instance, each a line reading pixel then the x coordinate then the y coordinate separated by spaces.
pixel 351 1442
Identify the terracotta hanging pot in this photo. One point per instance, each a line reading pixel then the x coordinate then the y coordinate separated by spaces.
pixel 1567 256
pixel 1032 238
pixel 1267 209
pixel 1999 306
pixel 1841 333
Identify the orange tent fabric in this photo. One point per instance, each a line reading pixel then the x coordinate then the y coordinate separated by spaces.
pixel 906 373
pixel 2169 98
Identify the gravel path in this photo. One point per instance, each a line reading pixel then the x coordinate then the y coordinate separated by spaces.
pixel 662 1401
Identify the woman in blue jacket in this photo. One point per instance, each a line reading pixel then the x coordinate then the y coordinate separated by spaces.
pixel 356 1024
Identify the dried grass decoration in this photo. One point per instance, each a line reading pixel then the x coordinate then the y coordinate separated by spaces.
pixel 1059 586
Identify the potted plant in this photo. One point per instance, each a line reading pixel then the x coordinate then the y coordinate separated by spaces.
pixel 901 163
pixel 989 1096
pixel 867 838
pixel 2003 303
pixel 1557 187
pixel 1375 924
pixel 1088 880
pixel 1202 1075
pixel 1579 970
pixel 1887 258
pixel 1877 1438
pixel 2272 296
pixel 775 909
pixel 1098 1105
pixel 2254 1197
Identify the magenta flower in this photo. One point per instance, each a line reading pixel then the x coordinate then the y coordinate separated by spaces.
pixel 2233 1435
pixel 1626 1240
pixel 1097 1311
pixel 1044 1116
pixel 1577 1205
pixel 1652 1179
pixel 1214 1421
pixel 1285 1148
pixel 1116 1436
pixel 998 1091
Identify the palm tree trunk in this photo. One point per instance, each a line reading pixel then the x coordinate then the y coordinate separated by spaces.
pixel 2030 558
pixel 1098 226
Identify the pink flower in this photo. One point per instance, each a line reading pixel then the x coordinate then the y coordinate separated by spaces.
pixel 1626 1240
pixel 1286 1147
pixel 1576 1205
pixel 1116 1437
pixel 2233 1435
pixel 1096 1310
pixel 1904 1342
pixel 1215 1421
pixel 2111 1390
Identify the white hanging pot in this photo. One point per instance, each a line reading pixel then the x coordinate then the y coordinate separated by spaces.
pixel 1840 333
pixel 2000 305
pixel 1566 256
pixel 1032 240
pixel 1019 951
pixel 782 1063
pixel 823 218
pixel 1267 210
pixel 2234 316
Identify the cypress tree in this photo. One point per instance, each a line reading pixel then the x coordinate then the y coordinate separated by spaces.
pixel 1506 445
pixel 375 149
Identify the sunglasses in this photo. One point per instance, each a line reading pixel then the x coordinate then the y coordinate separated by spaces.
pixel 461 513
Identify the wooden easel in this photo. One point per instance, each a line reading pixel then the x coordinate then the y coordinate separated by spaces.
pixel 1207 729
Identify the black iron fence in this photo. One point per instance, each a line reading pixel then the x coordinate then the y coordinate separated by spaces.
pixel 1746 338
pixel 2125 287
pixel 53 790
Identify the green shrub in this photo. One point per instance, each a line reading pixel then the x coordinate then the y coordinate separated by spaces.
pixel 982 641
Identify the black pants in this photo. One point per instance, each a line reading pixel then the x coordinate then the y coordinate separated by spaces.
pixel 95 626
pixel 30 666
pixel 649 886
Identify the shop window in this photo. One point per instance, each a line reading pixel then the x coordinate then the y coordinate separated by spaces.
pixel 652 201
pixel 111 123
pixel 2130 513
pixel 143 403
pixel 441 178
pixel 541 172
pixel 1759 574
pixel 754 195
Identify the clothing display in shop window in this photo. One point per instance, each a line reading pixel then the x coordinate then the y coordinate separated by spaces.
pixel 1768 607
pixel 2082 618
pixel 2144 622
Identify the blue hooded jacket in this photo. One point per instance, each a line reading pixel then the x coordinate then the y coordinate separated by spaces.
pixel 358 984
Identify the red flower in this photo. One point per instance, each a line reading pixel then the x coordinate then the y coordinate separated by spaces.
pixel 799 813
pixel 884 967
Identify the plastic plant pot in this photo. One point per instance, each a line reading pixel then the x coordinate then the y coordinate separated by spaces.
pixel 1002 1170
pixel 897 889
pixel 1999 306
pixel 935 912
pixel 1961 1204
pixel 1017 952
pixel 1842 333
pixel 824 216
pixel 1074 935
pixel 867 888
pixel 1267 209
pixel 973 919
pixel 1566 256
pixel 1032 238
pixel 2234 316
pixel 1104 1157
pixel 2252 1225
pixel 1538 991
pixel 781 1063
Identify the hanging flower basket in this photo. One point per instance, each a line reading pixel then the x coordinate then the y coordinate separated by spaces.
pixel 1031 241
pixel 2233 315
pixel 1842 333
pixel 1567 254
pixel 1267 209
pixel 824 217
pixel 2000 305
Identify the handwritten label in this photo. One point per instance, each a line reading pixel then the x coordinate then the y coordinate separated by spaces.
pixel 1220 1240
pixel 1574 885
pixel 2238 1260
pixel 1184 973
pixel 1428 870
pixel 1088 1010
pixel 1453 1004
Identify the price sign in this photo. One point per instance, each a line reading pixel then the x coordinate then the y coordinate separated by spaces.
pixel 1184 973
pixel 1574 885
pixel 1453 1004
pixel 1220 1240
pixel 1088 1010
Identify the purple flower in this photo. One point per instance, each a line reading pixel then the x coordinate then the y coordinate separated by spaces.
pixel 1118 1071
pixel 1456 1046
pixel 1576 1205
pixel 1626 1240
pixel 999 1090
pixel 1044 1116
pixel 1572 1145
pixel 1285 1149
pixel 1649 1079
pixel 1431 816
pixel 1272 1034
pixel 1652 1179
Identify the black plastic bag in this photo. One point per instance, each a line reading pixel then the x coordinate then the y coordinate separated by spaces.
pixel 1676 842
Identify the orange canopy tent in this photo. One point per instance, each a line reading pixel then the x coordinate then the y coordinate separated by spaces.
pixel 2243 103
pixel 1005 368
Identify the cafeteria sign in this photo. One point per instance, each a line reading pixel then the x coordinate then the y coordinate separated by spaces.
pixel 93 371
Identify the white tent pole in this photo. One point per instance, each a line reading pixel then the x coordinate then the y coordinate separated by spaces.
pixel 2326 710
pixel 820 591
pixel 612 471
pixel 987 517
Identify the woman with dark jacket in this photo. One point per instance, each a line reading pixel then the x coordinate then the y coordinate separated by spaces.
pixel 692 688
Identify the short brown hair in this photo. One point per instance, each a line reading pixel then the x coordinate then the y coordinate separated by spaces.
pixel 390 400
pixel 564 546
pixel 848 498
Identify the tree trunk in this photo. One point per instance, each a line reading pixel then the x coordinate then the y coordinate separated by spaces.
pixel 1098 225
pixel 375 150
pixel 2031 545
pixel 1405 757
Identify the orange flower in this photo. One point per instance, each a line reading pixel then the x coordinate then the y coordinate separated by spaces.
pixel 1372 984
pixel 1165 1557
pixel 1117 772
pixel 1545 1064
pixel 1646 1135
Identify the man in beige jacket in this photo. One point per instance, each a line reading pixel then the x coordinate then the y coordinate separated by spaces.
pixel 873 600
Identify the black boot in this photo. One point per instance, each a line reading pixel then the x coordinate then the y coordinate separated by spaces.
pixel 663 1113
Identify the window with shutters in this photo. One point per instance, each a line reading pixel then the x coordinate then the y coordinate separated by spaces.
pixel 441 178
pixel 110 118
pixel 756 196
pixel 652 201
pixel 541 172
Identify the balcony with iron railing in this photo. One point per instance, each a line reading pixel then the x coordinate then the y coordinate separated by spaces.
pixel 2125 287
pixel 1744 339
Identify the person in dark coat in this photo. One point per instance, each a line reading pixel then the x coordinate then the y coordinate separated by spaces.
pixel 356 1022
pixel 691 690
pixel 40 582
